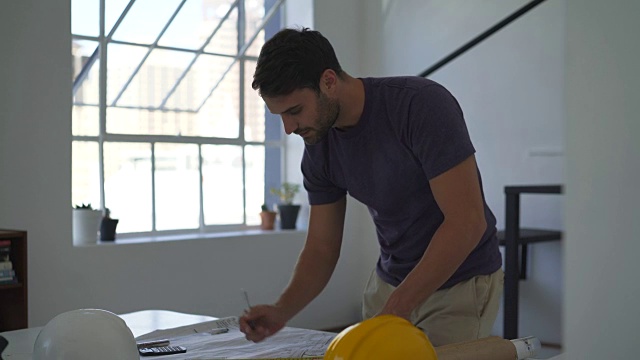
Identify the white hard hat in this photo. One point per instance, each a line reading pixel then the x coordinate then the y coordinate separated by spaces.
pixel 86 334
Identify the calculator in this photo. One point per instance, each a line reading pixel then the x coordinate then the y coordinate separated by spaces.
pixel 162 350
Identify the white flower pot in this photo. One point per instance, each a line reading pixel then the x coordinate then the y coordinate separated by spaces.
pixel 85 226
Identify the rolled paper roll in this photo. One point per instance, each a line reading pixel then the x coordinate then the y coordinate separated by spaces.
pixel 490 348
pixel 527 347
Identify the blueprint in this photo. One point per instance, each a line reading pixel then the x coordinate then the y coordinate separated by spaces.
pixel 204 341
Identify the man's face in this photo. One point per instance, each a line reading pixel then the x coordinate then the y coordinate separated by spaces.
pixel 306 113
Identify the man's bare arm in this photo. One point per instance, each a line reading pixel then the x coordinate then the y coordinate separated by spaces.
pixel 458 194
pixel 311 274
pixel 318 258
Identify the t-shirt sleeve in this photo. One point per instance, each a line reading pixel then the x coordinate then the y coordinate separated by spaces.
pixel 438 135
pixel 315 170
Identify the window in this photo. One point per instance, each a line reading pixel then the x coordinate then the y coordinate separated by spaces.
pixel 167 132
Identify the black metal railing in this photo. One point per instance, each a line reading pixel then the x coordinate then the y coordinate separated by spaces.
pixel 478 39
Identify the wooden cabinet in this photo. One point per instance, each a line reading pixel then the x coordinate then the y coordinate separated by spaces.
pixel 13 296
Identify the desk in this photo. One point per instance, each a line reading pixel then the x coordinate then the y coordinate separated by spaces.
pixel 140 322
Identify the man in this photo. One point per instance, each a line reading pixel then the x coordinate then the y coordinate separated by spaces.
pixel 400 146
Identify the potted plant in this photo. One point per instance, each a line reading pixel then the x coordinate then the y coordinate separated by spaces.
pixel 86 222
pixel 287 210
pixel 267 218
pixel 108 227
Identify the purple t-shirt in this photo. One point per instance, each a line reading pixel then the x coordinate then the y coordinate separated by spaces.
pixel 410 131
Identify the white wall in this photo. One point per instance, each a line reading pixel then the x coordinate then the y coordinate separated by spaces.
pixel 342 23
pixel 511 88
pixel 205 276
pixel 603 151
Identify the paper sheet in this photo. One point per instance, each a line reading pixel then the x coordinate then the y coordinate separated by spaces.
pixel 287 343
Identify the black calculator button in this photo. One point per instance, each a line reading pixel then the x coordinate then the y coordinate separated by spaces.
pixel 164 350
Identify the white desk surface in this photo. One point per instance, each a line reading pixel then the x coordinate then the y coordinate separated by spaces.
pixel 140 322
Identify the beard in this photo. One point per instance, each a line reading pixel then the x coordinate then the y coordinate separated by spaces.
pixel 328 112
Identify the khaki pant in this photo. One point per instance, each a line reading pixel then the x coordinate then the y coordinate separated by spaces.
pixel 463 312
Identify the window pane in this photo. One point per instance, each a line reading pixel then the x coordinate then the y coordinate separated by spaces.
pixel 255 13
pixel 81 50
pixel 157 76
pixel 122 60
pixel 85 17
pixel 195 23
pixel 113 9
pixel 226 39
pixel 219 117
pixel 145 122
pixel 222 184
pixel 255 10
pixel 145 20
pixel 85 178
pixel 253 107
pixel 254 162
pixel 177 186
pixel 221 112
pixel 194 89
pixel 127 185
pixel 85 120
pixel 87 91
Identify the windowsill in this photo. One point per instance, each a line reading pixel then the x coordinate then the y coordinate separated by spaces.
pixel 200 236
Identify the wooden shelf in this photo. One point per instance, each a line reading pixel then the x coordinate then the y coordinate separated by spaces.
pixel 10 286
pixel 13 297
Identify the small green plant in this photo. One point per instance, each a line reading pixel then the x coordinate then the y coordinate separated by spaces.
pixel 286 192
pixel 264 207
pixel 84 206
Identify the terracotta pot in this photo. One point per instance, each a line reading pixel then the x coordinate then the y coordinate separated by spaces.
pixel 268 219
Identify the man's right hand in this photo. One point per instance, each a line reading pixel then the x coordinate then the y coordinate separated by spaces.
pixel 262 321
pixel 312 273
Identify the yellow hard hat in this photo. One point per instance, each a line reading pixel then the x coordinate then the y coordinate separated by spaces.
pixel 381 337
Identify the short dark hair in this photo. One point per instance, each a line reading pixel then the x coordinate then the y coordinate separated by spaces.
pixel 293 59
